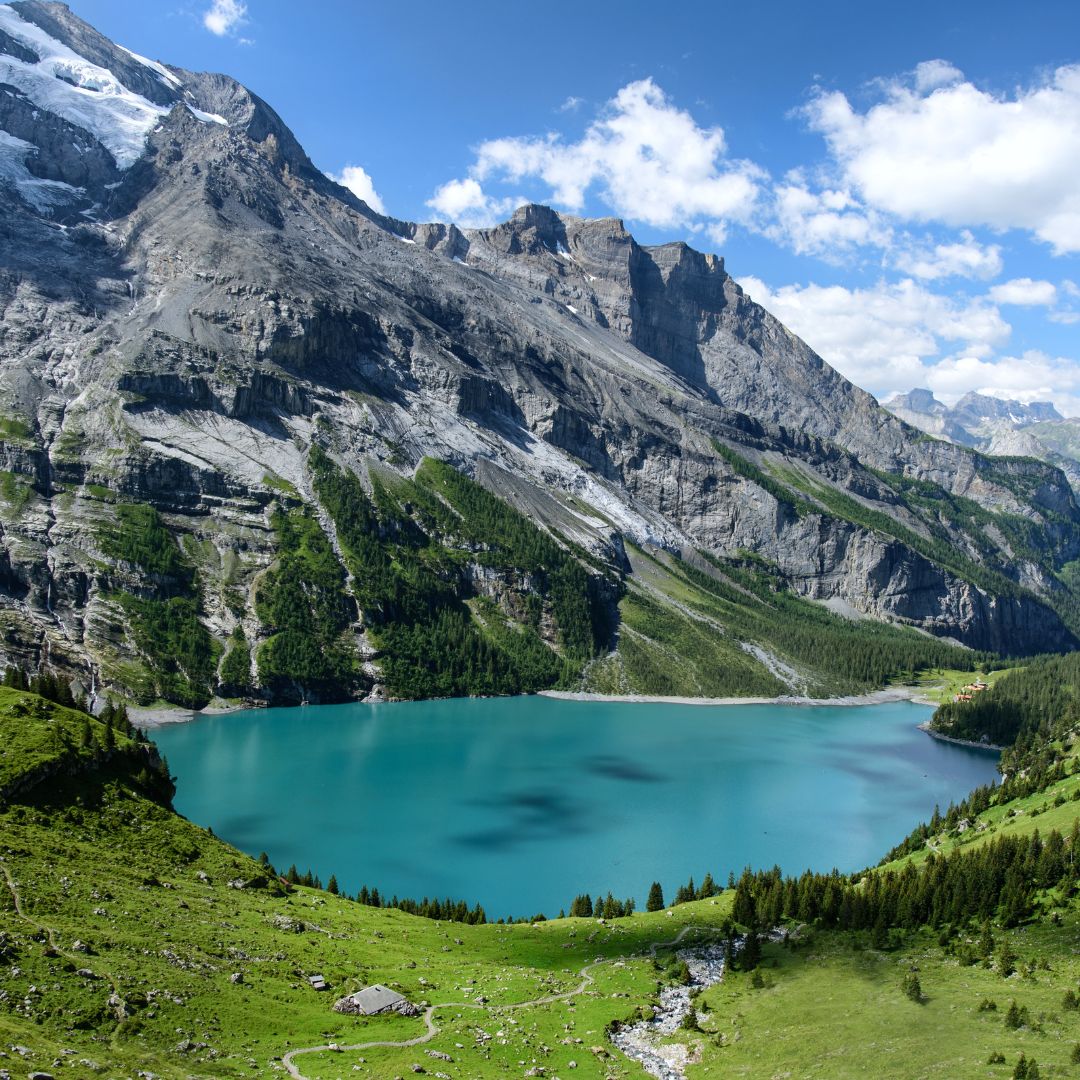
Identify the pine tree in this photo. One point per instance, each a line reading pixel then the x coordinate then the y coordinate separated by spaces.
pixel 1013 1018
pixel 581 907
pixel 750 956
pixel 1006 959
pixel 332 886
pixel 655 901
pixel 911 986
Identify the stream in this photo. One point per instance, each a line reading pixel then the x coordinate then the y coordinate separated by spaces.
pixel 641 1041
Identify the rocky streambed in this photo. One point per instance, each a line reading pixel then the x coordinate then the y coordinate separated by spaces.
pixel 641 1042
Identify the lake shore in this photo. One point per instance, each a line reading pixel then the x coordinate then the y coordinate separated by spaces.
pixel 959 742
pixel 874 697
pixel 157 715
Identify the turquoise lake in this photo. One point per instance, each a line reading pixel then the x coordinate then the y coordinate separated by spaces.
pixel 521 803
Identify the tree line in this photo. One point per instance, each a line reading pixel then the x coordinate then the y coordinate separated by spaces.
pixel 998 880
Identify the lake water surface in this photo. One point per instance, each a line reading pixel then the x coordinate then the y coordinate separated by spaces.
pixel 521 803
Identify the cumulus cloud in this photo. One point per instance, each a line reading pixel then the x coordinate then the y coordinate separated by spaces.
pixel 1025 293
pixel 645 158
pixel 225 17
pixel 1033 376
pixel 938 148
pixel 466 203
pixel 931 74
pixel 827 222
pixel 361 185
pixel 885 338
pixel 964 258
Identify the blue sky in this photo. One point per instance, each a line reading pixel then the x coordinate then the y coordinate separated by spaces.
pixel 898 182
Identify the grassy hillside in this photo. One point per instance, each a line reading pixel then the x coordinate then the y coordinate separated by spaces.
pixel 717 628
pixel 125 928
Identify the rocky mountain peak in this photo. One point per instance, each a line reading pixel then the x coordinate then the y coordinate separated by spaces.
pixel 224 322
pixel 974 406
pixel 149 80
pixel 919 401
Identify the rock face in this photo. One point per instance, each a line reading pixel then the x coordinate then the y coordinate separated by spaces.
pixel 189 306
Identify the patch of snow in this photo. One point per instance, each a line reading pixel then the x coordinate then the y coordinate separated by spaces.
pixel 43 195
pixel 206 117
pixel 404 239
pixel 162 72
pixel 562 252
pixel 460 261
pixel 571 307
pixel 84 94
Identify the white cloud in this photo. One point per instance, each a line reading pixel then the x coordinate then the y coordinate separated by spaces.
pixel 361 185
pixel 225 16
pixel 826 222
pixel 931 74
pixel 883 338
pixel 1025 292
pixel 571 104
pixel 465 202
pixel 646 159
pixel 1034 376
pixel 964 258
pixel 940 149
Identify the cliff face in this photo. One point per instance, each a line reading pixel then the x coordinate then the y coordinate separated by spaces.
pixel 186 316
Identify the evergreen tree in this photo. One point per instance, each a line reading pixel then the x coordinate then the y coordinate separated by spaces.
pixel 332 886
pixel 581 907
pixel 655 901
pixel 911 986
pixel 750 956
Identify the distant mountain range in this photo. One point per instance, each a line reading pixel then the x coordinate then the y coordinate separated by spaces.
pixel 996 426
pixel 260 441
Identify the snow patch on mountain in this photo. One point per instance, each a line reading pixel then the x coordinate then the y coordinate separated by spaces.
pixel 84 94
pixel 162 72
pixel 42 195
pixel 207 117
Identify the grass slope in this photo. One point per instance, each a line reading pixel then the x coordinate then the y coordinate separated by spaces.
pixel 734 628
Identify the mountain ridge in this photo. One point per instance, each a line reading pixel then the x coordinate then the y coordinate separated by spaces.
pixel 227 309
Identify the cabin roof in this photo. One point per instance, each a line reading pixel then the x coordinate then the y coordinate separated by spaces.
pixel 377 998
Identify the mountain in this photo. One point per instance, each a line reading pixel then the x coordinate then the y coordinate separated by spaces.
pixel 261 441
pixel 996 426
